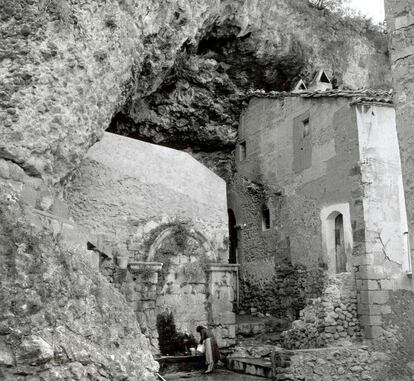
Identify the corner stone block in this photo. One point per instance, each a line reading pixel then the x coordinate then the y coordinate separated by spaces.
pixel 387 284
pixel 369 309
pixel 370 285
pixel 225 318
pixel 373 331
pixel 232 331
pixel 371 272
pixel 371 320
pixel 386 309
pixel 379 297
pixel 374 297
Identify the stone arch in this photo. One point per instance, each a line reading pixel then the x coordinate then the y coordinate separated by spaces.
pixel 330 217
pixel 199 237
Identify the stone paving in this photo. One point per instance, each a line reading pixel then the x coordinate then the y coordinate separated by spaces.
pixel 217 375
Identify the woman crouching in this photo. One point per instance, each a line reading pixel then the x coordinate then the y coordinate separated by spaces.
pixel 211 351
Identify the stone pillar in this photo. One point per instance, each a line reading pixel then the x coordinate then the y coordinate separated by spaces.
pixel 145 280
pixel 222 283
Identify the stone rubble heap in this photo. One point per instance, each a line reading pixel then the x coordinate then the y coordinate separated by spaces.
pixel 328 320
pixel 347 363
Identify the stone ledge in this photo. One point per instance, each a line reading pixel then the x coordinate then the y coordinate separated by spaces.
pixel 137 266
pixel 224 267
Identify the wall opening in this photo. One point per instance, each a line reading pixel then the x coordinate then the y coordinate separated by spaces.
pixel 302 143
pixel 340 254
pixel 337 238
pixel 242 151
pixel 324 78
pixel 266 222
pixel 232 237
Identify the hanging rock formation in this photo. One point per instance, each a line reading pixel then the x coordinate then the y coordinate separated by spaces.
pixel 174 69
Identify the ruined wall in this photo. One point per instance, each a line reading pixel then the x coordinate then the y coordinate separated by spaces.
pixel 329 320
pixel 127 188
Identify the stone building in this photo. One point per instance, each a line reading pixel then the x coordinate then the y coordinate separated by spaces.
pixel 319 188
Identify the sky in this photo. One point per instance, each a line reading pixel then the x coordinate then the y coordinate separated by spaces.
pixel 371 8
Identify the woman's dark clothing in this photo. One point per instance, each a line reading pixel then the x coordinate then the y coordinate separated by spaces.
pixel 207 334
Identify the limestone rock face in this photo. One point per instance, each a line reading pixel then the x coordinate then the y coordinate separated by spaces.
pixel 174 68
pixel 59 318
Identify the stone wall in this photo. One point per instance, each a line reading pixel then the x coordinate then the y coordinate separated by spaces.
pixel 285 293
pixel 126 189
pixel 328 320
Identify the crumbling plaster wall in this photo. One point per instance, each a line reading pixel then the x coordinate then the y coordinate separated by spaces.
pixel 384 202
pixel 125 186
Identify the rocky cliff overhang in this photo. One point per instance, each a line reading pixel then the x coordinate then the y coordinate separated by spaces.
pixel 170 69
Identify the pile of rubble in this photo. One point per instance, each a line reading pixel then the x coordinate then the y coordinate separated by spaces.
pixel 328 320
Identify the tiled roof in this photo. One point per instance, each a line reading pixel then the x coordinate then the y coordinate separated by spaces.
pixel 357 96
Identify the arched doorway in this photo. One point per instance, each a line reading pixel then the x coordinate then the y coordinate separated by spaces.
pixel 337 237
pixel 340 254
pixel 232 237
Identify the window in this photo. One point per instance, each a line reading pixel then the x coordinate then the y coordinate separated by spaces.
pixel 306 128
pixel 265 218
pixel 302 143
pixel 242 151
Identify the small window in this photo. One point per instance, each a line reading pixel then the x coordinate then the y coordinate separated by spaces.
pixel 306 128
pixel 265 218
pixel 242 151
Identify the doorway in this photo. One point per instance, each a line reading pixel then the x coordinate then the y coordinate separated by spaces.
pixel 232 237
pixel 340 253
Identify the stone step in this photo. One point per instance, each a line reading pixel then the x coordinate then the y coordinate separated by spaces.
pixel 250 328
pixel 251 366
